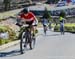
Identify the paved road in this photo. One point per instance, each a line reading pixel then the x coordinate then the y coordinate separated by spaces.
pixel 51 46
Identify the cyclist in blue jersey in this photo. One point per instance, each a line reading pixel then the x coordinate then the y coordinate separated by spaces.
pixel 45 24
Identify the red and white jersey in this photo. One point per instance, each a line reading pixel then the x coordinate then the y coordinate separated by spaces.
pixel 28 17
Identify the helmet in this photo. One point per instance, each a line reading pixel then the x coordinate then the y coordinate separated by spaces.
pixel 25 10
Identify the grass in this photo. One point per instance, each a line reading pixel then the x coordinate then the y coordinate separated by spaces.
pixel 4 41
pixel 39 25
pixel 12 35
pixel 69 27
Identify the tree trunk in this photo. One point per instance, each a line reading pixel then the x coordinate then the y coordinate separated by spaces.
pixel 6 4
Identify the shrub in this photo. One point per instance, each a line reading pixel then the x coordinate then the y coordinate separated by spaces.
pixel 4 41
pixel 12 34
pixel 69 27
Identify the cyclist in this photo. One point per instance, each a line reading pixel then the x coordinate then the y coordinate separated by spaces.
pixel 28 17
pixel 62 21
pixel 44 23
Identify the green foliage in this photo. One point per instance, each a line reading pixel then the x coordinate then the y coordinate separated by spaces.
pixel 68 27
pixel 4 41
pixel 36 31
pixel 38 18
pixel 2 20
pixel 12 34
pixel 3 29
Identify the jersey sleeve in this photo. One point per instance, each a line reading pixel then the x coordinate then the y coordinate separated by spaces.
pixel 33 16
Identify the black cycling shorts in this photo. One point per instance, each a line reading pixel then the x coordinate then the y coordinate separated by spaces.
pixel 29 22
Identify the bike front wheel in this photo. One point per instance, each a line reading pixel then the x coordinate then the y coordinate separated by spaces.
pixel 45 29
pixel 33 42
pixel 22 43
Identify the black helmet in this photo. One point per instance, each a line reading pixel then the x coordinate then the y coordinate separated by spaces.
pixel 25 10
pixel 62 13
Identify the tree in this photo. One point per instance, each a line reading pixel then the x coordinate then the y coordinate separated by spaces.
pixel 52 1
pixel 30 1
pixel 6 4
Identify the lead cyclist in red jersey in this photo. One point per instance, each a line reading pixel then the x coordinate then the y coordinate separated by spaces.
pixel 28 17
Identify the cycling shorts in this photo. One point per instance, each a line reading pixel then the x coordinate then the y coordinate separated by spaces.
pixel 29 22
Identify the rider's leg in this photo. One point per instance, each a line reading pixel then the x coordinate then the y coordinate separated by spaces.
pixel 33 30
pixel 62 28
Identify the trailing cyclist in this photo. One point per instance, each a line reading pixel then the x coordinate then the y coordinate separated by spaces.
pixel 45 24
pixel 62 21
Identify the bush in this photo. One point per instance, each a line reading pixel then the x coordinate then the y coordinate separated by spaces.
pixel 4 41
pixel 2 20
pixel 12 34
pixel 69 27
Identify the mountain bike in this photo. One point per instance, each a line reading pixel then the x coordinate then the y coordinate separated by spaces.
pixel 26 38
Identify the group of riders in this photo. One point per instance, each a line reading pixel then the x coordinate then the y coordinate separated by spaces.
pixel 27 17
pixel 47 21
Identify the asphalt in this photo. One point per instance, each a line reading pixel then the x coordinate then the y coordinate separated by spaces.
pixel 5 46
pixel 52 46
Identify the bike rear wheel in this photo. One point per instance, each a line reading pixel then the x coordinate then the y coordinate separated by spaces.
pixel 62 29
pixel 33 42
pixel 45 29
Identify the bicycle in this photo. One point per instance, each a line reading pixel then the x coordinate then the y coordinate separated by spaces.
pixel 45 29
pixel 26 37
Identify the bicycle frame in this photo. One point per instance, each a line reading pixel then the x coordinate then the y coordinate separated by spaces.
pixel 28 37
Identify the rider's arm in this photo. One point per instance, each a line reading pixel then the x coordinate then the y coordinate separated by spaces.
pixel 36 21
pixel 35 18
pixel 65 20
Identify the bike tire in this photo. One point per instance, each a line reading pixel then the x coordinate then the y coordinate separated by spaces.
pixel 22 43
pixel 33 42
pixel 62 29
pixel 21 48
pixel 45 29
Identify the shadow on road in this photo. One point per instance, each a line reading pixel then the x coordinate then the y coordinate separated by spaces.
pixel 9 54
pixel 52 35
pixel 12 53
